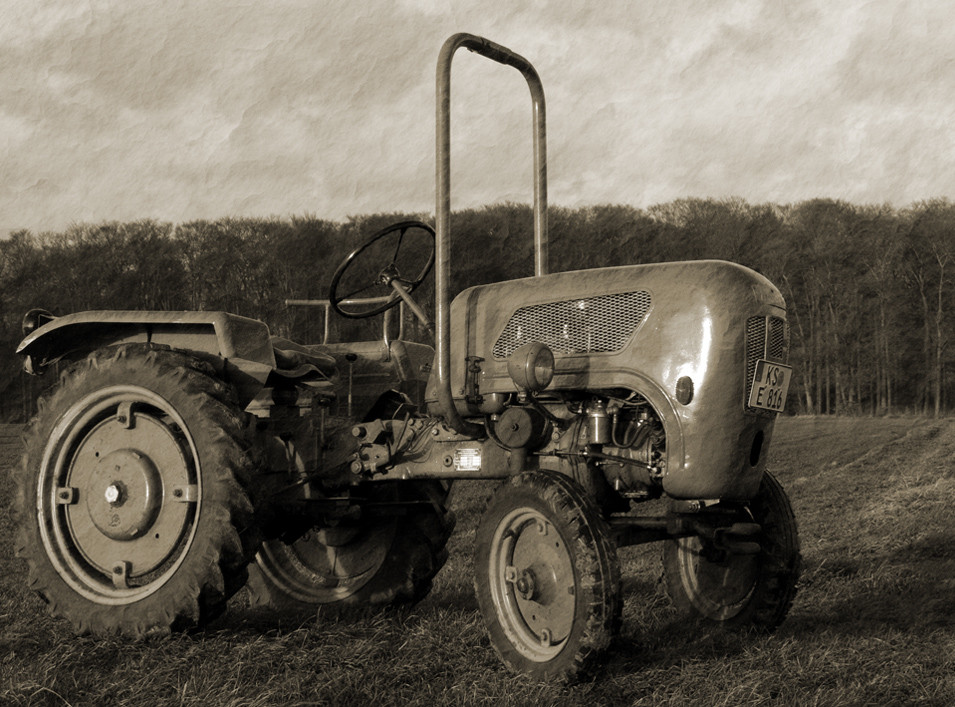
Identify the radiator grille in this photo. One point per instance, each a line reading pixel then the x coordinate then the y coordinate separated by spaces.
pixel 581 325
pixel 766 338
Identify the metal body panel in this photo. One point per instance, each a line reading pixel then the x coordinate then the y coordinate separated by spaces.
pixel 235 336
pixel 243 344
pixel 695 327
pixel 369 368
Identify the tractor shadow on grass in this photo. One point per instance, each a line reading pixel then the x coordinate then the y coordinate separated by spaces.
pixel 244 619
pixel 655 635
pixel 909 588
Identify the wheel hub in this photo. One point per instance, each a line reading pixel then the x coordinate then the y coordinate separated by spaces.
pixel 536 593
pixel 719 589
pixel 340 536
pixel 328 565
pixel 526 585
pixel 125 494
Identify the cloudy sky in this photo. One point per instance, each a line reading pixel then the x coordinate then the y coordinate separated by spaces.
pixel 120 110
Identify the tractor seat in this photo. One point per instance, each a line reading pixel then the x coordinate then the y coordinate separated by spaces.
pixel 292 358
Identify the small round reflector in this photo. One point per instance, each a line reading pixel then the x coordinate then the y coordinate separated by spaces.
pixel 684 390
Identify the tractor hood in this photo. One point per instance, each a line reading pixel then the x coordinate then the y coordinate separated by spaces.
pixel 646 328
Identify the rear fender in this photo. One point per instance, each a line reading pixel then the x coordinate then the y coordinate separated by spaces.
pixel 239 347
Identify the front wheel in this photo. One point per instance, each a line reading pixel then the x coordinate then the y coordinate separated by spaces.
pixel 547 577
pixel 747 591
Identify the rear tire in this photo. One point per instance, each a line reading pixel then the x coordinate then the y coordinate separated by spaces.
pixel 131 512
pixel 384 561
pixel 547 577
pixel 740 591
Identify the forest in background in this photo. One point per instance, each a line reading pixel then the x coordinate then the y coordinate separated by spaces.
pixel 870 289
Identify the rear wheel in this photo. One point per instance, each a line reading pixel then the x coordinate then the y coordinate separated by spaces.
pixel 747 591
pixel 546 576
pixel 131 514
pixel 385 560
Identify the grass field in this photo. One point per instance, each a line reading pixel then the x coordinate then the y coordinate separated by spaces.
pixel 873 622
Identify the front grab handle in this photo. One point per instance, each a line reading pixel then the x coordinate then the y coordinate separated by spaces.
pixel 502 55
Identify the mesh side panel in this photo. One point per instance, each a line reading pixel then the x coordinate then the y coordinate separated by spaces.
pixel 755 348
pixel 774 347
pixel 777 348
pixel 585 325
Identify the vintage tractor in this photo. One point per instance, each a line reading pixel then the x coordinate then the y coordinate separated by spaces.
pixel 183 454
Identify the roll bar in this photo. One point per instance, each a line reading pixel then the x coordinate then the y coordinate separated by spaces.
pixel 502 55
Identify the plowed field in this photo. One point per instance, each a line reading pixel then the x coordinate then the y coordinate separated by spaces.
pixel 873 622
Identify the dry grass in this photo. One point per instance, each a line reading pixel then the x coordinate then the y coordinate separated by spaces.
pixel 874 622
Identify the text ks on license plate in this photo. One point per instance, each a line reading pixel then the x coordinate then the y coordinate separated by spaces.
pixel 770 386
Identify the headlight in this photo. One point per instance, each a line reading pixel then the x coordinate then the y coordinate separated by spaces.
pixel 34 319
pixel 531 366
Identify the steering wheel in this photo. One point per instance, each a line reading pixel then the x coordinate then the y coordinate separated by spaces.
pixel 369 294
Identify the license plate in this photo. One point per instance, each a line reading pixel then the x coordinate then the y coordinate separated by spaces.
pixel 770 386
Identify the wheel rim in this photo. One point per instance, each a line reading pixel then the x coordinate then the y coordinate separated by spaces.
pixel 532 584
pixel 718 590
pixel 119 494
pixel 325 566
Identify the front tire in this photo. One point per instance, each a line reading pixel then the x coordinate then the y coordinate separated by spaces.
pixel 131 515
pixel 734 590
pixel 547 577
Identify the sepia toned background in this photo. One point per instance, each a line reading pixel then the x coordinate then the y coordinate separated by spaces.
pixel 221 154
pixel 184 110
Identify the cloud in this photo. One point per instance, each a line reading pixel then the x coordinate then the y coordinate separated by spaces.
pixel 199 110
pixel 762 103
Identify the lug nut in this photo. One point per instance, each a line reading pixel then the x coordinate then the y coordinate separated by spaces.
pixel 113 494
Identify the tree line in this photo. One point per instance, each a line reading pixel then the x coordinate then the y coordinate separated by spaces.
pixel 870 289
